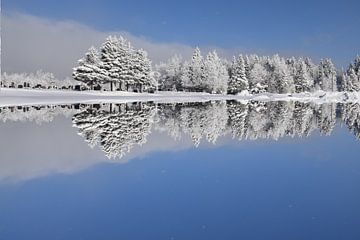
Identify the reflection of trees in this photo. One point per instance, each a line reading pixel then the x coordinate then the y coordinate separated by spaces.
pixel 198 120
pixel 325 115
pixel 37 114
pixel 254 120
pixel 278 119
pixel 351 117
pixel 302 121
pixel 208 121
pixel 116 129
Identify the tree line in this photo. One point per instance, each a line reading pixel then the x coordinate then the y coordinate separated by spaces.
pixel 255 74
pixel 117 63
pixel 117 66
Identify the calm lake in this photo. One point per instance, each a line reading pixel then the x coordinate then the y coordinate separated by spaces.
pixel 209 170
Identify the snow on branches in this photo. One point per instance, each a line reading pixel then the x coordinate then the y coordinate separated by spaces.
pixel 118 64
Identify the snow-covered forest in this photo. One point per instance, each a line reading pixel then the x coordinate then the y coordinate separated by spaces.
pixel 117 128
pixel 255 74
pixel 117 63
pixel 117 66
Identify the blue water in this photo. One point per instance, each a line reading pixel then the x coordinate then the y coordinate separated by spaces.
pixel 292 188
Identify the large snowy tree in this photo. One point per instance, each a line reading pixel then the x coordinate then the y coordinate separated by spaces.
pixel 118 64
pixel 195 72
pixel 90 70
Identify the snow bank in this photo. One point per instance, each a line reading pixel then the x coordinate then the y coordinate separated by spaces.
pixel 15 97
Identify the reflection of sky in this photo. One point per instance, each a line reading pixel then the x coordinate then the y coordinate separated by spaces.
pixel 288 189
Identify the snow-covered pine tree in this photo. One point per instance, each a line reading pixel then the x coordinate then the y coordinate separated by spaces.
pixel 326 76
pixel 141 66
pixel 215 74
pixel 280 79
pixel 302 79
pixel 126 64
pixel 351 79
pixel 258 78
pixel 130 69
pixel 223 77
pixel 311 68
pixel 238 80
pixel 292 64
pixel 196 72
pixel 109 54
pixel 89 70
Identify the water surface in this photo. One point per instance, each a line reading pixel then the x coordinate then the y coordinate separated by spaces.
pixel 212 170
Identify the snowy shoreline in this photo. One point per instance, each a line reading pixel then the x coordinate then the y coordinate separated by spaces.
pixel 20 97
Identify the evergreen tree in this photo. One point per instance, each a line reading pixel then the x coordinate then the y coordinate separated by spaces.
pixel 258 78
pixel 215 74
pixel 89 70
pixel 109 54
pixel 326 80
pixel 302 78
pixel 280 79
pixel 351 79
pixel 141 67
pixel 196 71
pixel 238 80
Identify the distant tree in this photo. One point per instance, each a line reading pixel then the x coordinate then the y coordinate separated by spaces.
pixel 311 68
pixel 215 74
pixel 351 79
pixel 238 80
pixel 280 79
pixel 141 67
pixel 326 80
pixel 258 78
pixel 170 74
pixel 302 79
pixel 195 72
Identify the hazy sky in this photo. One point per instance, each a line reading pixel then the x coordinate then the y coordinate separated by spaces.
pixel 67 28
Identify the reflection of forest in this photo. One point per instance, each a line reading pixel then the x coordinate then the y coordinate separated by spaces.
pixel 254 120
pixel 116 128
pixel 38 114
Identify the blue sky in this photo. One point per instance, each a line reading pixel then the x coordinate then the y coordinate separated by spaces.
pixel 311 28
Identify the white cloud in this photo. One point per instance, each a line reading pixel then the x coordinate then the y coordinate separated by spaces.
pixel 30 43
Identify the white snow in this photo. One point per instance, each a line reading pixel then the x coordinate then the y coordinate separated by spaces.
pixel 16 97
